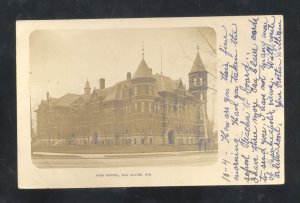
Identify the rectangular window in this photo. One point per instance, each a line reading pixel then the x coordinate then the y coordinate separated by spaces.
pixel 146 107
pixel 140 90
pixel 135 90
pixel 146 90
pixel 142 141
pixel 142 107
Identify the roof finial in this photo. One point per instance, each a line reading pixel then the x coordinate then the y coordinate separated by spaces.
pixel 198 48
pixel 143 50
pixel 87 84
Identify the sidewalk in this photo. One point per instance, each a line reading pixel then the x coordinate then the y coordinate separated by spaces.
pixel 127 155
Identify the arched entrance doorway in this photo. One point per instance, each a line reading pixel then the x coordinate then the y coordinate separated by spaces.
pixel 171 137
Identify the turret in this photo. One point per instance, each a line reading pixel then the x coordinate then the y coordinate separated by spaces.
pixel 198 87
pixel 143 87
pixel 87 89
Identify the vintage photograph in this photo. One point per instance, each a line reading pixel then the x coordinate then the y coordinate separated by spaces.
pixel 150 102
pixel 123 97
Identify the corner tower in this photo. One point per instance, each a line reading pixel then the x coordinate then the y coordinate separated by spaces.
pixel 198 87
pixel 143 83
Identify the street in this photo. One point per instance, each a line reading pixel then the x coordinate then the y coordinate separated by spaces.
pixel 161 159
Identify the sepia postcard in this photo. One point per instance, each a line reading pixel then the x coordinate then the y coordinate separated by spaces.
pixel 150 102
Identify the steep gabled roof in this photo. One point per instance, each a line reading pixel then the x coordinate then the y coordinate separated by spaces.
pixel 198 64
pixel 99 92
pixel 179 84
pixel 164 83
pixel 67 100
pixel 43 102
pixel 53 99
pixel 110 93
pixel 86 98
pixel 143 71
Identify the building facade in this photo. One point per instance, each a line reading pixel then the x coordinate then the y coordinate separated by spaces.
pixel 146 109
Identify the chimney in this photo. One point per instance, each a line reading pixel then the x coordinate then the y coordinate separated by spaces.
pixel 102 83
pixel 47 96
pixel 128 75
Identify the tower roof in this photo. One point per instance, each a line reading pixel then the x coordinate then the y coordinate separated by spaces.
pixel 198 64
pixel 143 70
pixel 87 85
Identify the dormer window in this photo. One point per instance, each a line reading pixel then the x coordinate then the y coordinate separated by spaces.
pixel 125 92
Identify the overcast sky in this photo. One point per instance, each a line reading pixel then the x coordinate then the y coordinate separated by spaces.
pixel 62 60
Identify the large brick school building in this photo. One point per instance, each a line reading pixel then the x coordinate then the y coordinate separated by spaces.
pixel 145 109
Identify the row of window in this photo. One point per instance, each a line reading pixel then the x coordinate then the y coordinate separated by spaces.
pixel 143 90
pixel 198 81
pixel 136 141
pixel 110 141
pixel 138 90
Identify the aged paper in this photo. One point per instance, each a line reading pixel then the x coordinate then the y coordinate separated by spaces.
pixel 150 102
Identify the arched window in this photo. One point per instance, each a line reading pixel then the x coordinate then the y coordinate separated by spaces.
pixel 194 81
pixel 201 81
